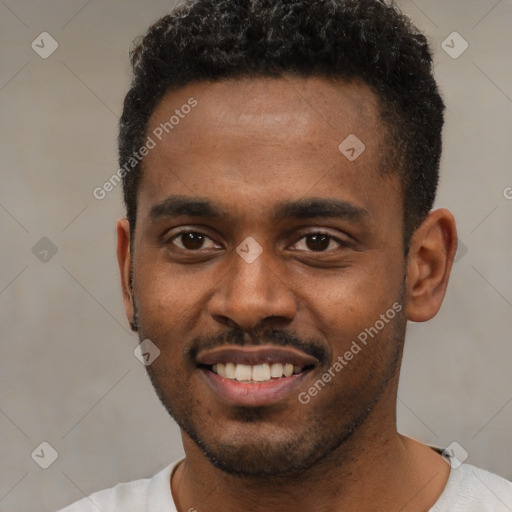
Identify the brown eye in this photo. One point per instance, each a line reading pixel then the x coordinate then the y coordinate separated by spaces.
pixel 318 242
pixel 192 241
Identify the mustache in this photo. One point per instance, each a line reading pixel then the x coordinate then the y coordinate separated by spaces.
pixel 312 347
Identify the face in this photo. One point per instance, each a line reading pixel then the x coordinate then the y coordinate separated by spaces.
pixel 261 254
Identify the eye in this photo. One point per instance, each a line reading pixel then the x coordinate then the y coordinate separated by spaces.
pixel 318 242
pixel 192 241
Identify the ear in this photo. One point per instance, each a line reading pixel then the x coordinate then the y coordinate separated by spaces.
pixel 431 254
pixel 125 267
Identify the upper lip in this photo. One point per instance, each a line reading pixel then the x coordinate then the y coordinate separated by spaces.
pixel 254 355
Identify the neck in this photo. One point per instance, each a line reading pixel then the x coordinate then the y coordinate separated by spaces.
pixel 375 470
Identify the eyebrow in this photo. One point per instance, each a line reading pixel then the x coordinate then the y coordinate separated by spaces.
pixel 316 207
pixel 307 208
pixel 176 206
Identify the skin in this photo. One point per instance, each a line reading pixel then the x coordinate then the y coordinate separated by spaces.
pixel 249 145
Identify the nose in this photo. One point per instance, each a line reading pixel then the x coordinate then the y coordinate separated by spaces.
pixel 252 295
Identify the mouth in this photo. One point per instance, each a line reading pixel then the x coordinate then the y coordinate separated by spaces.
pixel 256 375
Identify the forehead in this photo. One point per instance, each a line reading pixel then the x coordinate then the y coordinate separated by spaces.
pixel 271 108
pixel 263 139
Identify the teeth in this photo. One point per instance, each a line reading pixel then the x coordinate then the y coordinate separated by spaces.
pixel 276 370
pixel 288 370
pixel 243 372
pixel 230 370
pixel 255 373
pixel 261 372
pixel 221 369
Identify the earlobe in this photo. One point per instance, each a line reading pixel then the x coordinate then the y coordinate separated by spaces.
pixel 431 254
pixel 125 267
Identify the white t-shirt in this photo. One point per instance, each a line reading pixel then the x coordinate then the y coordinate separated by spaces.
pixel 468 489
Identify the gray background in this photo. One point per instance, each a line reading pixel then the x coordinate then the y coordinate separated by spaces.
pixel 67 372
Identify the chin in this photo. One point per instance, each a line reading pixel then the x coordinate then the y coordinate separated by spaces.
pixel 247 450
pixel 258 461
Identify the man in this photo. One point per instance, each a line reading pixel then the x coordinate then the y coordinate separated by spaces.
pixel 280 163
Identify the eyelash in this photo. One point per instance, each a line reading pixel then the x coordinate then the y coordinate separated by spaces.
pixel 340 243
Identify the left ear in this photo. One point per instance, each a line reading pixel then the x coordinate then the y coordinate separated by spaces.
pixel 432 251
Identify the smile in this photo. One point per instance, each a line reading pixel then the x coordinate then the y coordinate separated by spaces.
pixel 254 375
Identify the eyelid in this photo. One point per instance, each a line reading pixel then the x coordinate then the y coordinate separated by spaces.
pixel 189 228
pixel 342 239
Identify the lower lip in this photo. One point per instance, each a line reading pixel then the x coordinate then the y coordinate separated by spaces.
pixel 253 394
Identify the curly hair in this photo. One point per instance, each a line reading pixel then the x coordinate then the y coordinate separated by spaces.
pixel 369 40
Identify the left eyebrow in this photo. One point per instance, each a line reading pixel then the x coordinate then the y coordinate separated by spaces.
pixel 313 207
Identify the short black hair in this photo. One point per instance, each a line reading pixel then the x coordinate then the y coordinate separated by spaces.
pixel 367 40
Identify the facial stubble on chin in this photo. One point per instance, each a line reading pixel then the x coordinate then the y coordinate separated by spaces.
pixel 302 447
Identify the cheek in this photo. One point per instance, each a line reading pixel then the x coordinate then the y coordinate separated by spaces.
pixel 162 288
pixel 346 302
pixel 168 309
pixel 167 306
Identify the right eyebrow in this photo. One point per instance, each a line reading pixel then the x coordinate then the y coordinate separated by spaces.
pixel 175 206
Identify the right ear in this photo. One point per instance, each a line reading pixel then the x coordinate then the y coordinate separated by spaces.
pixel 124 260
